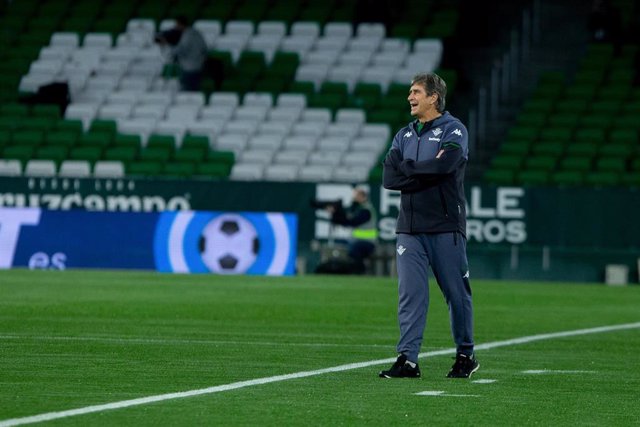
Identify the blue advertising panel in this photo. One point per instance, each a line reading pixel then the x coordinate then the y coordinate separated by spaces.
pixel 180 242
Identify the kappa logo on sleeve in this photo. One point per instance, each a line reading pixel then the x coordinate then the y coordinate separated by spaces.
pixel 457 132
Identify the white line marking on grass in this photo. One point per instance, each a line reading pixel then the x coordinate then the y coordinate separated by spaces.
pixel 267 380
pixel 550 371
pixel 484 381
pixel 438 393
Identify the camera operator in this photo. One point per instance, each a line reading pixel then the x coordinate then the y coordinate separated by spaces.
pixel 189 49
pixel 361 217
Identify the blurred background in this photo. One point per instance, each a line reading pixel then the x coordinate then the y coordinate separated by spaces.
pixel 148 106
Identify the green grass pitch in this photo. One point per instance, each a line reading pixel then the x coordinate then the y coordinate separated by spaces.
pixel 80 338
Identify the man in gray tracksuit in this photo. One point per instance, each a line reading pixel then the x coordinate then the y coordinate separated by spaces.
pixel 427 163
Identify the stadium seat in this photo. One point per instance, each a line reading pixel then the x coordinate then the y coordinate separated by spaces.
pixel 75 169
pixel 40 168
pixel 10 167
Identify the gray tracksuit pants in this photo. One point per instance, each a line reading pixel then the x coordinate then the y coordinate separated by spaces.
pixel 446 254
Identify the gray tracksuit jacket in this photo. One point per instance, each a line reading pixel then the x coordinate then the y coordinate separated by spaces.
pixel 428 168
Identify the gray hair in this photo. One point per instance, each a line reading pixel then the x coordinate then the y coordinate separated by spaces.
pixel 432 83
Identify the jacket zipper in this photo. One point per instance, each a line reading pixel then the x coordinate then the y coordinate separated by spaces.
pixel 411 195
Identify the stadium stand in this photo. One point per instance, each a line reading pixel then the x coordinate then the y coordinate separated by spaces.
pixel 578 131
pixel 273 58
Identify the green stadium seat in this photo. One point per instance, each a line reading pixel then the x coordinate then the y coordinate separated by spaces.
pixel 88 153
pixel 554 148
pixel 19 152
pixel 46 111
pixel 623 136
pixel 5 138
pixel 10 123
pixel 237 84
pixel 165 142
pixel 70 125
pixel 52 152
pixel 602 179
pixel 155 154
pixel 192 155
pixel 252 11
pixel 595 121
pixel 273 85
pixel 630 108
pixel 577 164
pixel 592 76
pixel 611 164
pixel 615 150
pixel 522 133
pixel 305 88
pixel 222 157
pixel 250 64
pixel 582 149
pixel 594 135
pixel 538 105
pixel 556 134
pixel 621 77
pixel 574 106
pixel 283 65
pixel 567 120
pixel 145 168
pixel 213 169
pixel 316 12
pixel 515 147
pixel 285 12
pixel 567 178
pixel 195 142
pixel 95 139
pixel 617 93
pixel 584 92
pixel 500 176
pixel 123 140
pixel 406 30
pixel 508 162
pixel 399 103
pixel 332 101
pixel 535 119
pixel 125 154
pixel 27 137
pixel 221 11
pixel 106 126
pixel 533 177
pixel 42 124
pixel 389 116
pixel 605 107
pixel 545 163
pixel 14 110
pixel 179 169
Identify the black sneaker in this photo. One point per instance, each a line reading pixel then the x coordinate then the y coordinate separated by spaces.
pixel 401 369
pixel 464 366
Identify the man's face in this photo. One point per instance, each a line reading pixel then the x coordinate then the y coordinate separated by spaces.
pixel 421 103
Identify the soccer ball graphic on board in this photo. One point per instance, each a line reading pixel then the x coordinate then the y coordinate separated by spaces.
pixel 229 244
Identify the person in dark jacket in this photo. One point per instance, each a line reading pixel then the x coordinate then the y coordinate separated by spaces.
pixel 427 163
